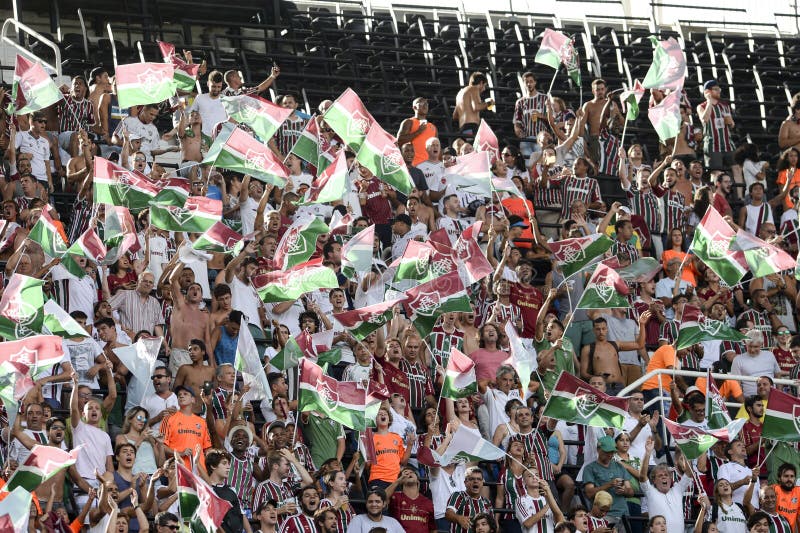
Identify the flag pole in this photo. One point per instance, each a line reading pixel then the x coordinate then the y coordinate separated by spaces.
pixel 766 456
pixel 624 130
pixel 758 455
pixel 550 89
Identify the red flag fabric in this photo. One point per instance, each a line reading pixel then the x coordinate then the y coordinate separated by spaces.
pixel 486 140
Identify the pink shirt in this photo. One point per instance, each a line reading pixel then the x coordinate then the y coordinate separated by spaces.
pixel 487 363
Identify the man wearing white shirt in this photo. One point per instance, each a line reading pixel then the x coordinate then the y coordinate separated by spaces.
pixel 737 473
pixel 663 497
pixel 142 126
pixel 640 426
pixel 433 169
pixel 35 142
pixel 755 362
pixel 209 104
pixel 666 288
pixel 403 233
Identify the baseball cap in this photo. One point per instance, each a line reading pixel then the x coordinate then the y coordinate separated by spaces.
pixel 516 221
pixel 625 209
pixel 692 390
pixel 135 137
pixel 607 444
pixel 187 388
pixel 710 84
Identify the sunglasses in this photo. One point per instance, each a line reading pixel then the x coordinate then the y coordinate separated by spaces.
pixel 141 418
pixel 158 376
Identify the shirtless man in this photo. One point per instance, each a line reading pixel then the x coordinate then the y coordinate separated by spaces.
pixel 598 110
pixel 605 355
pixel 469 105
pixel 188 320
pixel 197 372
pixel 789 134
pixel 80 165
pixel 100 86
pixel 191 137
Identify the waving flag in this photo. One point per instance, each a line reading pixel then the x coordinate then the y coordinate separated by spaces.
pixel 218 238
pixel 669 66
pixel 15 510
pixel 605 290
pixel 666 116
pixel 717 413
pixel 88 245
pixel 342 401
pixel 279 286
pixel 423 261
pixel 59 322
pixel 466 446
pixel 119 233
pixel 46 234
pixel 140 358
pixel 249 364
pixel 486 140
pixel 144 83
pixel 263 117
pixel 32 88
pixel 198 502
pixel 349 119
pixel 711 243
pixel 198 214
pixel 37 354
pixel 696 327
pixel 576 254
pixel 307 145
pixel 556 49
pixel 380 154
pixel 763 258
pixel 641 270
pixel 357 252
pixel 173 191
pixel 522 359
pixel 470 258
pixel 459 379
pixel 330 184
pixel 692 441
pixel 236 150
pixel 472 173
pixel 185 75
pixel 299 242
pixel 426 302
pixel 573 400
pixel 43 463
pixel 631 99
pixel 117 185
pixel 782 417
pixel 363 321
pixel 22 304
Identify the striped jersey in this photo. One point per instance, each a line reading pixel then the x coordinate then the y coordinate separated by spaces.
pixel 441 343
pixel 535 443
pixel 288 133
pixel 219 403
pixel 343 514
pixel 761 323
pixel 646 205
pixel 543 195
pixel 419 383
pixel 717 134
pixel 240 478
pixel 623 248
pixel 609 153
pixel 505 313
pixel 298 523
pixel 465 505
pixel 574 188
pixel 81 216
pixel 269 490
pixel 778 524
pixel 74 114
pixel 523 110
pixel 528 506
pixel 757 215
pixel 668 331
pixel 672 208
pixel 514 489
pixel 595 523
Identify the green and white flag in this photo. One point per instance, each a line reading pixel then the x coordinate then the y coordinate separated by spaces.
pixel 573 255
pixel 763 258
pixel 712 243
pixel 357 252
pixel 668 70
pixel 249 364
pixel 237 150
pixel 696 327
pixel 556 49
pixel 198 503
pixel 459 378
pixel 32 88
pixel 280 286
pixel 185 73
pixel 42 464
pixel 523 360
pixel 307 145
pixel 349 119
pixel 468 446
pixel 174 191
pixel 218 238
pixel 425 303
pixel 782 417
pixel 363 321
pixel 666 116
pixel 197 215
pixel 717 413
pixel 692 441
pixel 299 242
pixel 605 290
pixel 573 400
pixel 262 116
pixel 342 401
pixel 88 245
pixel 22 307
pixel 116 185
pixel 15 510
pixel 58 322
pixel 631 99
pixel 45 233
pixel 330 184
pixel 380 154
pixel 144 83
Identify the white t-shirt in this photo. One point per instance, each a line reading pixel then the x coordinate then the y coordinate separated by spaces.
pixel 93 456
pixel 211 111
pixel 735 472
pixel 363 524
pixel 148 132
pixel 496 401
pixel 763 364
pixel 159 255
pixel 732 520
pixel 304 178
pixel 289 318
pixel 82 355
pixel 244 298
pixel 155 403
pixel 247 212
pixel 526 506
pixel 82 292
pixel 38 148
pixel 637 445
pixel 434 175
pixel 669 505
pixel 197 260
pixel 443 485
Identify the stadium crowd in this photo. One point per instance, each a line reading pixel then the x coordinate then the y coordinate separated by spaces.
pixel 291 471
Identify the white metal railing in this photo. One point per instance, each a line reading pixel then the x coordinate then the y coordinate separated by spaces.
pixel 20 27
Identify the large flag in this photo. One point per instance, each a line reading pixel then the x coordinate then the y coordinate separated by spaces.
pixel 173 191
pixel 32 88
pixel 692 441
pixel 116 185
pixel 696 327
pixel 666 116
pixel 218 238
pixel 249 364
pixel 144 83
pixel 711 243
pixel 286 286
pixel 573 400
pixel 576 254
pixel 486 140
pixel 631 99
pixel 15 510
pixel 45 233
pixel 380 154
pixel 140 358
pixel 330 184
pixel 363 321
pixel 762 258
pixel 119 233
pixel 342 401
pixel 88 245
pixel 472 173
pixel 782 417
pixel 349 119
pixel 459 379
pixel 522 359
pixel 299 242
pixel 236 150
pixel 357 252
pixel 21 305
pixel 669 66
pixel 556 49
pixel 262 116
pixel 641 270
pixel 198 502
pixel 466 446
pixel 43 463
pixel 426 302
pixel 605 290
pixel 415 261
pixel 717 413
pixel 32 356
pixel 198 215
pixel 469 257
pixel 58 322
pixel 185 73
pixel 297 347
pixel 307 145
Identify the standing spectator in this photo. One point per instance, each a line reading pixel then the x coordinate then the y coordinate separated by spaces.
pixel 737 473
pixel 579 186
pixel 768 503
pixel 467 111
pixel 762 315
pixel 138 311
pixel 290 130
pixel 374 519
pixel 141 125
pixel 184 430
pixel 789 170
pixel 35 142
pixel 715 116
pixel 537 510
pixel 463 506
pixel 530 114
pixel 755 362
pixel 303 521
pixel 788 495
pixel 234 85
pixel 75 113
pixel 209 105
pixel 723 186
pixel 409 507
pixel 663 497
pixel 432 168
pixel 751 431
pixel 606 475
pixel 602 115
pixel 392 451
pixel 417 130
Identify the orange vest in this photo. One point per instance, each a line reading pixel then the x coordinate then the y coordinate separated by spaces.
pixel 418 142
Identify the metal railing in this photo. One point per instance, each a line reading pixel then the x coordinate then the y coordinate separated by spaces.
pixel 19 27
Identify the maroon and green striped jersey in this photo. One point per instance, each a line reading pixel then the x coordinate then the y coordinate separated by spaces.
pixel 717 134
pixel 573 188
pixel 465 505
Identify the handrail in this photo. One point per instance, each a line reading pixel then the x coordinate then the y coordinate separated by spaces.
pixel 19 26
pixel 691 373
